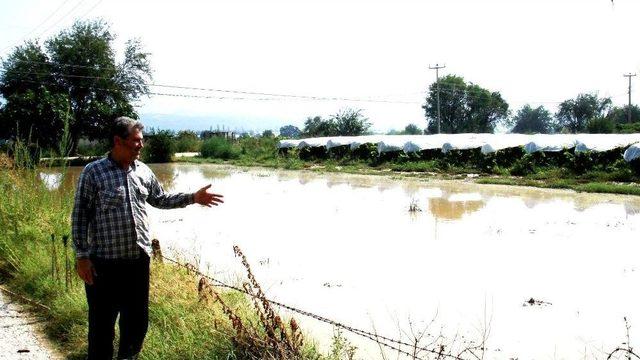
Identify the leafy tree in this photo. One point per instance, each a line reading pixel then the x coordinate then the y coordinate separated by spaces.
pixel 290 131
pixel 529 120
pixel 601 125
pixel 350 122
pixel 619 115
pixel 160 146
pixel 412 129
pixel 187 140
pixel 574 114
pixel 464 107
pixel 316 126
pixel 267 134
pixel 78 77
pixel 32 109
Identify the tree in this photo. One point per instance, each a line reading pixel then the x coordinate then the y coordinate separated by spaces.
pixel 600 125
pixel 350 122
pixel 316 126
pixel 78 77
pixel 268 134
pixel 464 107
pixel 412 129
pixel 574 114
pixel 529 120
pixel 290 131
pixel 33 109
pixel 620 115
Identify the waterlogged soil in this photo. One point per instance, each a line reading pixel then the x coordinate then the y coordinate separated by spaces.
pixel 539 273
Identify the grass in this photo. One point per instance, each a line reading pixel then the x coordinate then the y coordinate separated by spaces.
pixel 183 324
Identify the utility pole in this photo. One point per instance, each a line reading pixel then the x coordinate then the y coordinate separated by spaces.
pixel 629 107
pixel 438 67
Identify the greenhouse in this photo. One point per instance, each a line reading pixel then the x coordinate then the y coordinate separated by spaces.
pixel 486 143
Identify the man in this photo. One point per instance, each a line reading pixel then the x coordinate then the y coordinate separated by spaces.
pixel 111 239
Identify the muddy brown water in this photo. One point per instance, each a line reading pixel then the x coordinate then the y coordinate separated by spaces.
pixel 541 273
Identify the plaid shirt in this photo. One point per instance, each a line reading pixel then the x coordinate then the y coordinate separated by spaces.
pixel 109 218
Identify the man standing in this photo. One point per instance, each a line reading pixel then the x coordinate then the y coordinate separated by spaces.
pixel 110 231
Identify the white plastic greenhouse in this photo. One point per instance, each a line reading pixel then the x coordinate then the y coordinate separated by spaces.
pixel 487 143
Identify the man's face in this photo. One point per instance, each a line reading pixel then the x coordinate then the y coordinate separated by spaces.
pixel 132 145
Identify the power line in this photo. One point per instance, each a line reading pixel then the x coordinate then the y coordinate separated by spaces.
pixel 273 95
pixel 35 28
pixel 62 18
pixel 453 89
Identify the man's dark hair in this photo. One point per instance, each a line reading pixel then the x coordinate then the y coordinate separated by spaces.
pixel 122 128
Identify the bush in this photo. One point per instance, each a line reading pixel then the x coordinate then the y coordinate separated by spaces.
pixel 601 126
pixel 259 148
pixel 219 148
pixel 187 141
pixel 92 148
pixel 160 147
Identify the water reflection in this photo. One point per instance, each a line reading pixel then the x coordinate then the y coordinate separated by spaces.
pixel 445 209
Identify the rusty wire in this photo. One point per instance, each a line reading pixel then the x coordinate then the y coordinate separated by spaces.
pixel 382 340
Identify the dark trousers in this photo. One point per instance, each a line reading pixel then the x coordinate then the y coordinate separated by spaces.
pixel 120 287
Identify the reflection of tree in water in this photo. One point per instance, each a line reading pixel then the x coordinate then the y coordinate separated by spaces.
pixel 210 172
pixel 166 176
pixel 442 208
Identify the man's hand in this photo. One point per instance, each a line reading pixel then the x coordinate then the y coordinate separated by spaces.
pixel 86 271
pixel 207 199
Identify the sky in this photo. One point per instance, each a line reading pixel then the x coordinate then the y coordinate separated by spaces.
pixel 537 52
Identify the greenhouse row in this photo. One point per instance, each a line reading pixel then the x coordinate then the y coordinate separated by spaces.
pixel 487 143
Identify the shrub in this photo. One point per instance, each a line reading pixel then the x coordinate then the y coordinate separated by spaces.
pixel 219 148
pixel 160 147
pixel 92 148
pixel 187 141
pixel 259 148
pixel 601 125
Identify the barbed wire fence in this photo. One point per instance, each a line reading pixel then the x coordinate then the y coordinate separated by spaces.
pixel 399 346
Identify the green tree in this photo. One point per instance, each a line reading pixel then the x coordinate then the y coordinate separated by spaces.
pixel 33 107
pixel 530 121
pixel 574 114
pixel 619 115
pixel 350 122
pixel 464 107
pixel 600 125
pixel 187 140
pixel 411 129
pixel 77 75
pixel 317 126
pixel 290 131
pixel 268 134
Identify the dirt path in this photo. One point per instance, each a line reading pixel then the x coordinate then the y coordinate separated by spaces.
pixel 20 337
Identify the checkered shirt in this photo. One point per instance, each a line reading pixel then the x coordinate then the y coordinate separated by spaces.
pixel 109 218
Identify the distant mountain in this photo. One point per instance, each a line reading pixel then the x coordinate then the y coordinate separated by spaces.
pixel 213 122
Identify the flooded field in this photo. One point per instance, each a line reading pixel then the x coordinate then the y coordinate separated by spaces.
pixel 543 274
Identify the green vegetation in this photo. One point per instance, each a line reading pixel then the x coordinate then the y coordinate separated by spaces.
pixel 347 122
pixel 187 141
pixel 464 107
pixel 159 147
pixel 73 78
pixel 531 121
pixel 219 148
